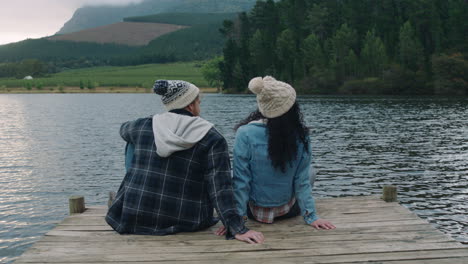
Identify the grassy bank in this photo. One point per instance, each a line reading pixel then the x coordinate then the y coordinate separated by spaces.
pixel 106 78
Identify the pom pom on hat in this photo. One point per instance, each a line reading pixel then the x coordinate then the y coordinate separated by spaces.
pixel 160 87
pixel 256 85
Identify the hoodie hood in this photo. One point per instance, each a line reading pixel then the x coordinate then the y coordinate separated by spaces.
pixel 174 132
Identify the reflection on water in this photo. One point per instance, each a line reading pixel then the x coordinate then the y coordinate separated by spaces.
pixel 54 146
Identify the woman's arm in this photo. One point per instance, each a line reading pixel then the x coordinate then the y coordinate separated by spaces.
pixel 242 174
pixel 303 189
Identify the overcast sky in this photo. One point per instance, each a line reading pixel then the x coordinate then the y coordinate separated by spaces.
pixel 22 19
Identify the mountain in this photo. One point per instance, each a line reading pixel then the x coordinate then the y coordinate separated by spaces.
pixel 157 38
pixel 94 16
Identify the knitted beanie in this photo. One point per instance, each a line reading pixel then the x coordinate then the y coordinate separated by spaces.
pixel 274 98
pixel 176 94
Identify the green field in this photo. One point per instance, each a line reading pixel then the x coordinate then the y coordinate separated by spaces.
pixel 132 76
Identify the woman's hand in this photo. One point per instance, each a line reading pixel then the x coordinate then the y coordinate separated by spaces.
pixel 221 231
pixel 322 224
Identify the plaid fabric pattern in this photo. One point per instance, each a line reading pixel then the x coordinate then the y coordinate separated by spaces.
pixel 267 215
pixel 160 196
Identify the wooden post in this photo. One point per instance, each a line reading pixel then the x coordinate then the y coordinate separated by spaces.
pixel 389 193
pixel 111 199
pixel 76 204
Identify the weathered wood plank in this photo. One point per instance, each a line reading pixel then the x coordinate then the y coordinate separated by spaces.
pixel 256 252
pixel 211 238
pixel 261 227
pixel 206 234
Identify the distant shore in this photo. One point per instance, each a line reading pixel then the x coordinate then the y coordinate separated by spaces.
pixel 49 90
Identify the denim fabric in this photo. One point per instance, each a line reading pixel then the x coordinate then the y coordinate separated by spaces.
pixel 129 151
pixel 256 180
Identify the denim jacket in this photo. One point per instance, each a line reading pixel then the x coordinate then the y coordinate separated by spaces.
pixel 256 180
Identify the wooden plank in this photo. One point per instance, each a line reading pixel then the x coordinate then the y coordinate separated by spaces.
pixel 205 234
pixel 261 227
pixel 187 247
pixel 256 252
pixel 99 220
pixel 210 238
pixel 448 260
pixel 381 258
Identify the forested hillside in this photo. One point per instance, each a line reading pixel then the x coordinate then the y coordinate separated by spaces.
pixel 57 55
pixel 124 33
pixel 201 41
pixel 185 19
pixel 356 47
pixel 93 16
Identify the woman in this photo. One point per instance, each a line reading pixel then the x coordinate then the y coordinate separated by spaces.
pixel 272 159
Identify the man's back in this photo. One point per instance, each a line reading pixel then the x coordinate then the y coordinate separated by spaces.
pixel 165 195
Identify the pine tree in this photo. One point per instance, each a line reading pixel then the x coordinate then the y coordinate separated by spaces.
pixel 411 53
pixel 286 52
pixel 373 55
pixel 314 58
pixel 244 48
pixel 317 21
pixel 259 58
pixel 344 39
pixel 351 65
pixel 227 66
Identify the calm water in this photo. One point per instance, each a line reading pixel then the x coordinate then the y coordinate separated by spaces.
pixel 54 146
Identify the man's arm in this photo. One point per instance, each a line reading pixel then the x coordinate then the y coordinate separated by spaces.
pixel 125 131
pixel 218 177
pixel 129 131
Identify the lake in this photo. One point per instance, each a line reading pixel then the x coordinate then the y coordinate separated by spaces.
pixel 53 146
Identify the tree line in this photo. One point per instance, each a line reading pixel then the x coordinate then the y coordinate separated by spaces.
pixel 24 68
pixel 351 47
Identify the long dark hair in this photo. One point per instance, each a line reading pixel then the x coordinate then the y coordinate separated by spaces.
pixel 284 134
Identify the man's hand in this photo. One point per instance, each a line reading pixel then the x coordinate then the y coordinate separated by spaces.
pixel 251 237
pixel 322 224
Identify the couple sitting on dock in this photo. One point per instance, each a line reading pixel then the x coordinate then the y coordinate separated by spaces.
pixel 178 167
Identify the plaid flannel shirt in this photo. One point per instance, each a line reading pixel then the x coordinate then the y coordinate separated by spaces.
pixel 268 214
pixel 160 196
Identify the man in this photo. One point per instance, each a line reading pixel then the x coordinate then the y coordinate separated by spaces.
pixel 179 172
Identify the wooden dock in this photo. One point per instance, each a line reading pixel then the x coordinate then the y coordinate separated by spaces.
pixel 368 230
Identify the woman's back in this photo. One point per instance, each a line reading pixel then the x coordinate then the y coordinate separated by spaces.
pixel 270 186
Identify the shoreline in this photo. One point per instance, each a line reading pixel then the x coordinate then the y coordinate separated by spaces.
pixel 76 90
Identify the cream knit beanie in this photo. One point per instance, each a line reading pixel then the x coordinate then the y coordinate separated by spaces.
pixel 274 98
pixel 176 94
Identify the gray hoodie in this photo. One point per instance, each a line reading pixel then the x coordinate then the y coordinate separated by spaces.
pixel 174 132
